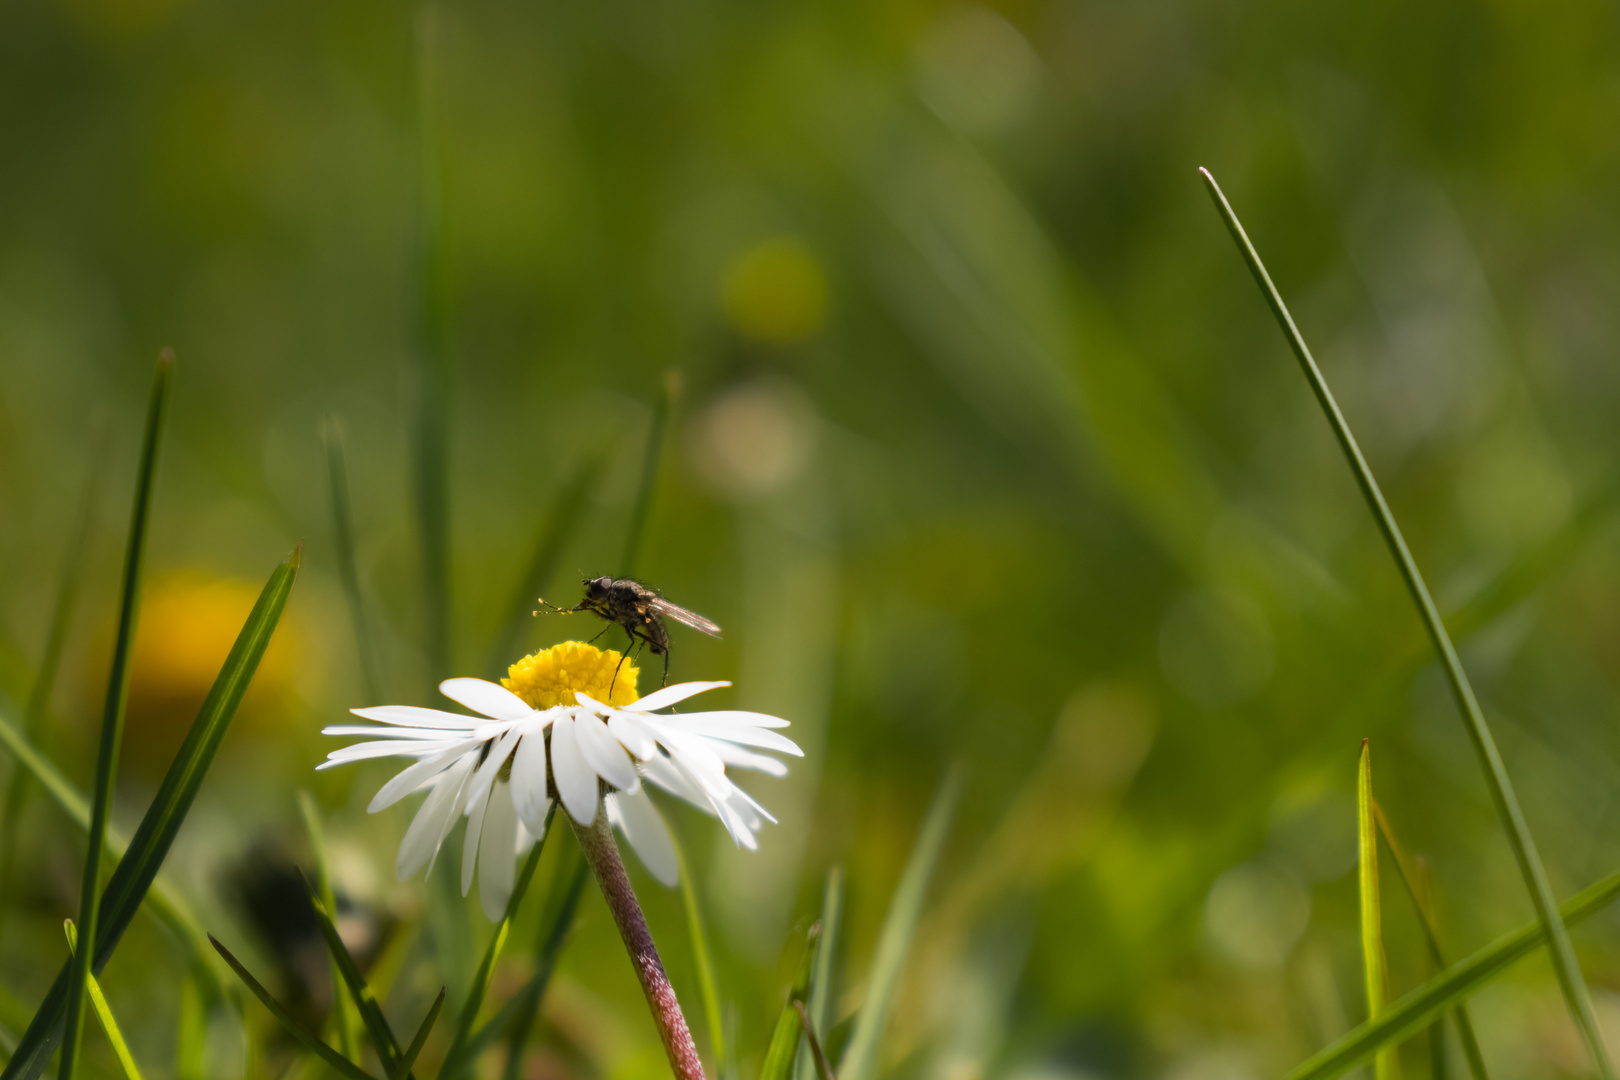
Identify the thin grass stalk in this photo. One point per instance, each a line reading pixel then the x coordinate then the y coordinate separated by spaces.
pixel 191 1030
pixel 313 1042
pixel 104 1013
pixel 39 695
pixel 783 1049
pixel 347 975
pixel 708 989
pixel 1562 952
pixel 1417 1008
pixel 345 1013
pixel 337 477
pixel 821 974
pixel 812 1043
pixel 425 1028
pixel 112 716
pixel 1415 881
pixel 650 464
pixel 1374 968
pixel 547 948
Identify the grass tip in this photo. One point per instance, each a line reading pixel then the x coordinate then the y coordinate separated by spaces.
pixel 297 555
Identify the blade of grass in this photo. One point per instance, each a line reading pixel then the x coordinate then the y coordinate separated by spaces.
pixel 126 1061
pixel 311 1041
pixel 112 715
pixel 161 901
pixel 784 1044
pixel 701 956
pixel 403 1069
pixel 456 1059
pixel 649 472
pixel 860 1061
pixel 1423 901
pixel 136 871
pixel 1525 852
pixel 813 1043
pixel 346 973
pixel 191 1036
pixel 39 695
pixel 345 1018
pixel 337 475
pixel 821 976
pixel 1413 1010
pixel 1374 969
pixel 562 522
pixel 526 1003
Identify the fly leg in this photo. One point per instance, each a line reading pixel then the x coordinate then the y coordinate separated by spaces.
pixel 634 641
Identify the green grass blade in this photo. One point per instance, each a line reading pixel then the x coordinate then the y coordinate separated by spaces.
pixel 403 1069
pixel 191 1036
pixel 311 1041
pixel 784 1046
pixel 1411 1011
pixel 649 473
pixel 1525 852
pixel 456 1058
pixel 561 524
pixel 812 1042
pixel 132 879
pixel 821 975
pixel 526 1004
pixel 860 1061
pixel 126 1061
pixel 39 695
pixel 346 1019
pixel 1375 974
pixel 337 475
pixel 1423 902
pixel 112 715
pixel 707 987
pixel 347 973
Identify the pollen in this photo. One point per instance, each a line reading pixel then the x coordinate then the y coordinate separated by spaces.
pixel 549 678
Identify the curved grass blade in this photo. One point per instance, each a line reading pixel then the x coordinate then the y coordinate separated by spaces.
pixel 39 695
pixel 126 1060
pixel 337 476
pixel 1562 953
pixel 860 1059
pixel 813 1043
pixel 784 1045
pixel 561 524
pixel 298 1031
pixel 136 871
pixel 456 1058
pixel 1411 1011
pixel 1374 969
pixel 322 898
pixel 346 972
pixel 112 715
pixel 649 472
pixel 707 987
pixel 525 1005
pixel 191 1036
pixel 821 975
pixel 403 1069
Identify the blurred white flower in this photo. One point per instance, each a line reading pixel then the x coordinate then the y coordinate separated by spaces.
pixel 549 734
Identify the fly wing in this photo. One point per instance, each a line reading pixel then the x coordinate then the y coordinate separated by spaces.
pixel 685 617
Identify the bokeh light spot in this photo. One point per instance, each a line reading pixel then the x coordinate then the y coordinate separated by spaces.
pixel 775 293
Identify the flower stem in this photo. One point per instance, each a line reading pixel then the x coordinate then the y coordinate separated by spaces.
pixel 596 839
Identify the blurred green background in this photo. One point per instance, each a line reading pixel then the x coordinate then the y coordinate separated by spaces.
pixel 986 450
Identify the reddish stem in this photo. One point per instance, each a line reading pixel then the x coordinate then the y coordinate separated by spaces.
pixel 603 855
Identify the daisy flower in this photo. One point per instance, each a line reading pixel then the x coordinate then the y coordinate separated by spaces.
pixel 565 724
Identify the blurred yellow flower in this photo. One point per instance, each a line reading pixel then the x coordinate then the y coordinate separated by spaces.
pixel 549 678
pixel 776 292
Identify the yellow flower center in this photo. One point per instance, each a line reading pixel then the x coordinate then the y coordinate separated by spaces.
pixel 549 678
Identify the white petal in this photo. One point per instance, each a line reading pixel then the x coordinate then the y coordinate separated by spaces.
pixel 669 695
pixel 744 736
pixel 747 759
pixel 497 853
pixel 489 698
pixel 663 772
pixel 695 755
pixel 432 821
pixel 390 748
pixel 529 795
pixel 412 716
pixel 576 780
pixel 403 734
pixel 492 763
pixel 604 753
pixel 477 810
pixel 417 775
pixel 634 733
pixel 637 817
pixel 730 718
